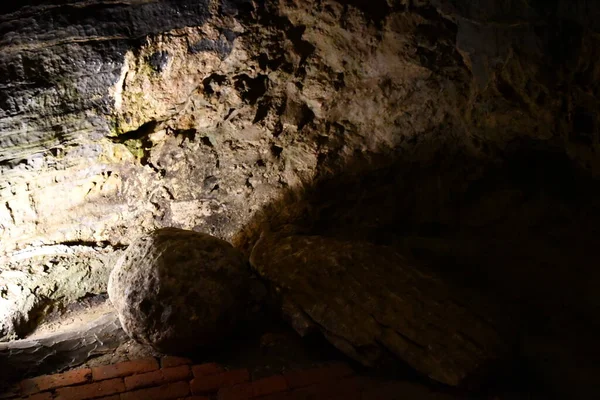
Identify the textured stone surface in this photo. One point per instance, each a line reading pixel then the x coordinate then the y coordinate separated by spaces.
pixel 370 302
pixel 463 131
pixel 48 278
pixel 118 118
pixel 59 351
pixel 178 290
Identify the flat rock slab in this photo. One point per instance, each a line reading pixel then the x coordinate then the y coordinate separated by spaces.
pixel 370 302
pixel 59 351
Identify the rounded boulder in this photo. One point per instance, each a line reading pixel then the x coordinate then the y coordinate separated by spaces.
pixel 179 290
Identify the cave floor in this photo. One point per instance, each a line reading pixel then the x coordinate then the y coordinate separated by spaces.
pixel 266 360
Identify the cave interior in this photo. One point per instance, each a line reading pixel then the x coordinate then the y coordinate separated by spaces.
pixel 461 135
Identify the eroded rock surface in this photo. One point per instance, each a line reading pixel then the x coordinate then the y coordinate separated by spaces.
pixel 465 131
pixel 59 351
pixel 179 291
pixel 370 302
pixel 48 278
pixel 140 115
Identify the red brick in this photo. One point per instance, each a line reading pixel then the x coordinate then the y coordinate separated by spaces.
pixel 273 384
pixel 165 392
pixel 170 361
pixel 157 377
pixel 237 392
pixel 212 383
pixel 124 369
pixel 207 369
pixel 28 386
pixel 362 382
pixel 343 389
pixel 403 390
pixel 295 395
pixel 349 396
pixel 194 398
pixel 47 382
pixel 176 373
pixel 41 396
pixel 384 392
pixel 297 379
pixel 153 378
pixel 92 390
pixel 255 389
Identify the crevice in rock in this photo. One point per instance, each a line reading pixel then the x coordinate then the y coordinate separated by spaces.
pixel 304 48
pixel 306 116
pixel 189 134
pixel 212 80
pixel 158 60
pixel 10 211
pixel 103 244
pixel 139 143
pixel 251 89
pixel 584 126
pixel 27 323
pixel 276 150
pixel 62 248
pixel 262 110
pixel 221 47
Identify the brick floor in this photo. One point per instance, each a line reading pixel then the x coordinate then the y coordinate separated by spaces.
pixel 177 379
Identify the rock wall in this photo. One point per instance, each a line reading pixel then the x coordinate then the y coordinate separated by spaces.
pixel 456 129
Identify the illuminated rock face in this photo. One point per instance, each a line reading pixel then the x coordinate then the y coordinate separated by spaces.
pixel 455 129
pixel 118 119
pixel 179 291
pixel 372 303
